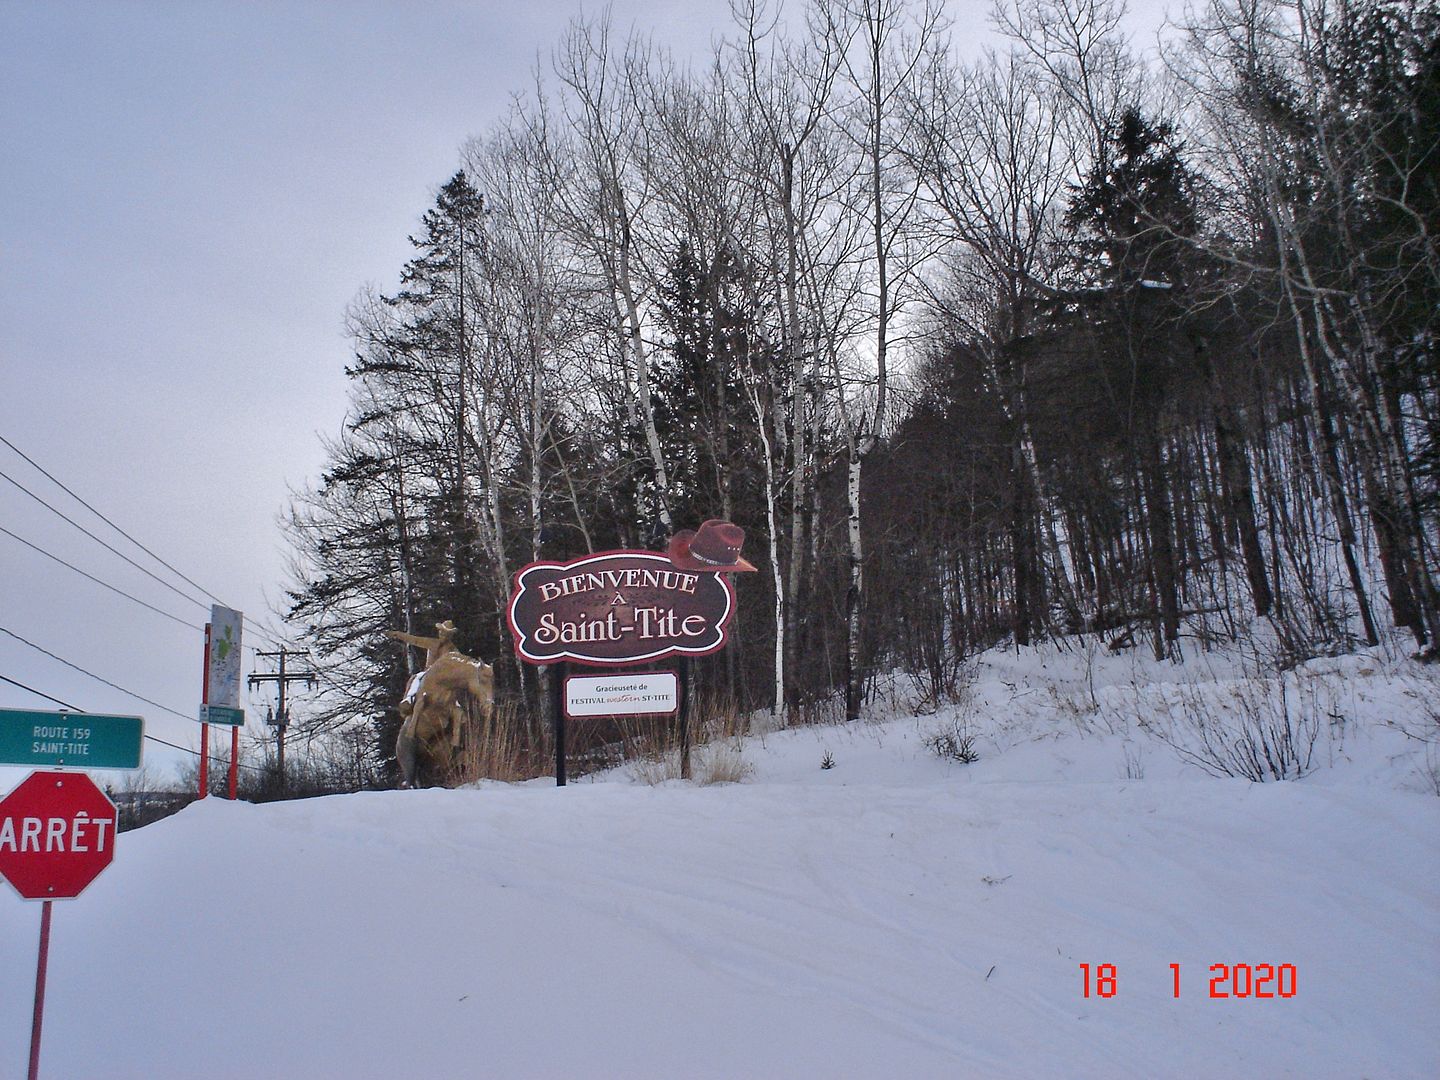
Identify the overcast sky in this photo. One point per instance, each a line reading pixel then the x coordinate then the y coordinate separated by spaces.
pixel 190 195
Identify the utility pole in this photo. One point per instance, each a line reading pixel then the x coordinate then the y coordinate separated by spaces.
pixel 281 720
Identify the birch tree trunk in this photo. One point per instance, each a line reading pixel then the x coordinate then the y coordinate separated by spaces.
pixel 607 122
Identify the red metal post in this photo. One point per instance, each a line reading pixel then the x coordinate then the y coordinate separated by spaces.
pixel 234 759
pixel 40 966
pixel 205 728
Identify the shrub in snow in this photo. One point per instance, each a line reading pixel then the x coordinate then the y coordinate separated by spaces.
pixel 1259 729
pixel 940 680
pixel 1430 770
pixel 716 763
pixel 721 764
pixel 953 742
pixel 1134 762
pixel 657 769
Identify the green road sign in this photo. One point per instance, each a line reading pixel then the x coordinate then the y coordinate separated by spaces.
pixel 70 739
pixel 222 714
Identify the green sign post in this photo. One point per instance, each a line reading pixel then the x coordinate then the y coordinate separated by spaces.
pixel 70 740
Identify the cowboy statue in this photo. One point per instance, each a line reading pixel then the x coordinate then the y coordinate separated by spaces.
pixel 436 704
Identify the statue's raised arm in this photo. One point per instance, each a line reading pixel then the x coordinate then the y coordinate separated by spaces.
pixel 434 647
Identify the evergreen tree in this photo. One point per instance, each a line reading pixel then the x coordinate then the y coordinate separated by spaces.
pixel 701 412
pixel 430 361
pixel 1133 218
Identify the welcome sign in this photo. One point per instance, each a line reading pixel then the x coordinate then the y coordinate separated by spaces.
pixel 618 607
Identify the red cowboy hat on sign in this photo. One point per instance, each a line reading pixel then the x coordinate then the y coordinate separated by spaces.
pixel 715 547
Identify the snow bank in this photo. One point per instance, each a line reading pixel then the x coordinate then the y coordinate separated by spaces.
pixel 896 915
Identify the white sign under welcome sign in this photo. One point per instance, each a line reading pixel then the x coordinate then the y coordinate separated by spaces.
pixel 638 693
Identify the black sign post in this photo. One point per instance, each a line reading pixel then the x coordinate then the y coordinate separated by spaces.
pixel 683 718
pixel 557 701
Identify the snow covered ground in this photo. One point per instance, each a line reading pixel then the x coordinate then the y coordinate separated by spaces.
pixel 897 915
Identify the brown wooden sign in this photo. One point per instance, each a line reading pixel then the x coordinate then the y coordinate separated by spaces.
pixel 618 607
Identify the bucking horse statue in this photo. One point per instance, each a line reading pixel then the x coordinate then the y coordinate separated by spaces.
pixel 434 710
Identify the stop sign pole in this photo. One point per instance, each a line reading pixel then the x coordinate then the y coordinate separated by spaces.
pixel 57 833
pixel 37 1017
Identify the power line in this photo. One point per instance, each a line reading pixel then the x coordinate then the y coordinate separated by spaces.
pixel 183 577
pixel 41 693
pixel 98 581
pixel 97 678
pixel 49 476
pixel 60 514
pixel 112 588
pixel 279 642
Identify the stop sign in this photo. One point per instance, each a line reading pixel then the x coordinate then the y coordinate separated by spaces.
pixel 57 832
